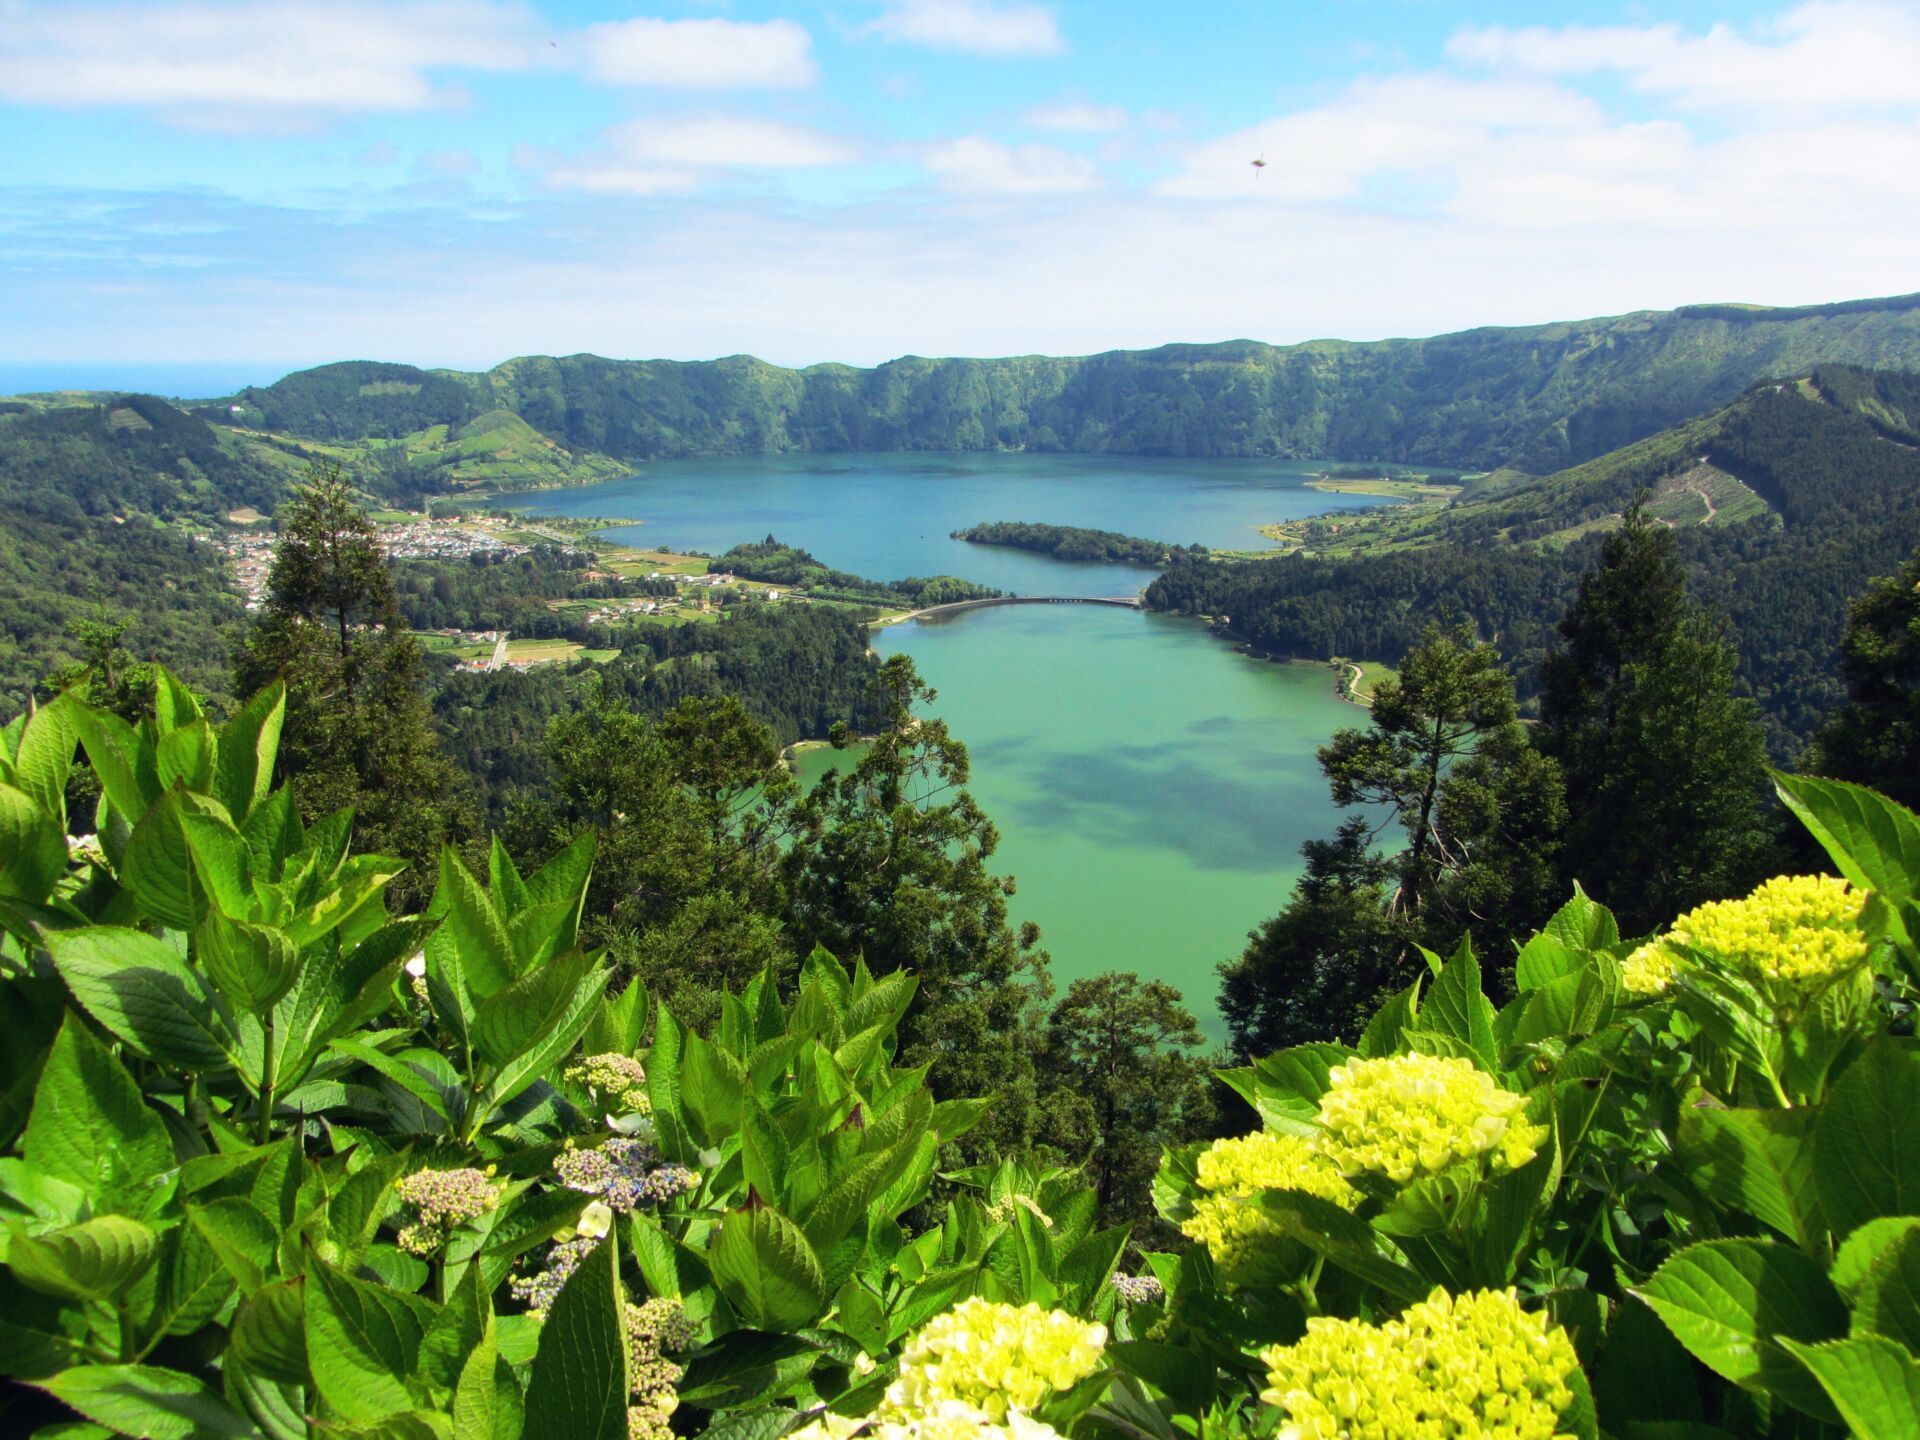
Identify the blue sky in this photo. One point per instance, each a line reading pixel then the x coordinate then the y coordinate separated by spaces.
pixel 278 182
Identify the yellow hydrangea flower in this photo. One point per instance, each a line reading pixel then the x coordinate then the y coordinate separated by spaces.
pixel 1451 1366
pixel 1648 970
pixel 953 1422
pixel 992 1358
pixel 1406 1116
pixel 1797 931
pixel 1231 1170
pixel 974 1373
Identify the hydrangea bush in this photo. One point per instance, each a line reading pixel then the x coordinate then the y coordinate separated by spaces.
pixel 275 1163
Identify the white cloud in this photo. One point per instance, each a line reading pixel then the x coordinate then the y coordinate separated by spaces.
pixel 976 27
pixel 700 54
pixel 975 165
pixel 1509 184
pixel 1830 54
pixel 219 60
pixel 675 155
pixel 1077 118
pixel 1518 154
pixel 1103 271
pixel 1407 126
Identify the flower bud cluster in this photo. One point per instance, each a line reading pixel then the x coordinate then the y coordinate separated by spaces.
pixel 1794 933
pixel 1408 1116
pixel 1232 1172
pixel 1139 1289
pixel 624 1172
pixel 442 1200
pixel 1648 970
pixel 618 1081
pixel 539 1291
pixel 1451 1366
pixel 655 1329
pixel 979 1370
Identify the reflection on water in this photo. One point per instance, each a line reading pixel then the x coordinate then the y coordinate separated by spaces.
pixel 1152 786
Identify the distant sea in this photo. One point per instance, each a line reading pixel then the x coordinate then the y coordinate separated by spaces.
pixel 200 381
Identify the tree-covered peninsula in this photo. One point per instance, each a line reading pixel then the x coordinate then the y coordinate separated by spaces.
pixel 1073 542
pixel 773 563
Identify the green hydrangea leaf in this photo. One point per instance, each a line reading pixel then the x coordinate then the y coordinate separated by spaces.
pixel 579 1385
pixel 765 1267
pixel 91 1127
pixel 1731 1303
pixel 1866 1148
pixel 98 1259
pixel 148 1403
pixel 1874 1384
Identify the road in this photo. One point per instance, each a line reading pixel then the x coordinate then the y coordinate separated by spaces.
pixel 499 659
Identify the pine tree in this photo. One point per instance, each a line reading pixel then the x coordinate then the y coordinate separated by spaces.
pixel 1664 766
pixel 1874 739
pixel 1125 1049
pixel 1317 969
pixel 1447 758
pixel 1449 719
pixel 358 731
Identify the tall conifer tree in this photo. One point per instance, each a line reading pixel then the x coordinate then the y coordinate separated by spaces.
pixel 358 730
pixel 1665 768
pixel 1874 739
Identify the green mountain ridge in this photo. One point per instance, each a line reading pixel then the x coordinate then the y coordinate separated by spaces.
pixel 1538 397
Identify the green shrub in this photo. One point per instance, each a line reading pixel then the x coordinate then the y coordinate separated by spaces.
pixel 278 1163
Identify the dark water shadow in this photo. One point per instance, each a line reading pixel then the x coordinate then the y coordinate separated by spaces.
pixel 1224 816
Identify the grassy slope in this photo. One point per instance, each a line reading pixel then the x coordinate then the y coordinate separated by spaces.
pixel 1511 507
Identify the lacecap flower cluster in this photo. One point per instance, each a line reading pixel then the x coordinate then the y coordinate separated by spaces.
pixel 569 1248
pixel 980 1369
pixel 442 1200
pixel 1451 1367
pixel 617 1081
pixel 1139 1289
pixel 624 1172
pixel 1793 934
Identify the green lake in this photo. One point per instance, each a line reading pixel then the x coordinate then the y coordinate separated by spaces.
pixel 1151 785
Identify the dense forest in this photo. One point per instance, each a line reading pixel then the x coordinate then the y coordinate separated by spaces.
pixel 797 669
pixel 1541 397
pixel 107 507
pixel 492 590
pixel 1072 542
pixel 1842 504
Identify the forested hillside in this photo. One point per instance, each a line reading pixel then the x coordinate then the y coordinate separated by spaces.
pixel 1541 397
pixel 1828 495
pixel 99 507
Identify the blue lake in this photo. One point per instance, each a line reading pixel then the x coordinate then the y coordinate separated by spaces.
pixel 1152 786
